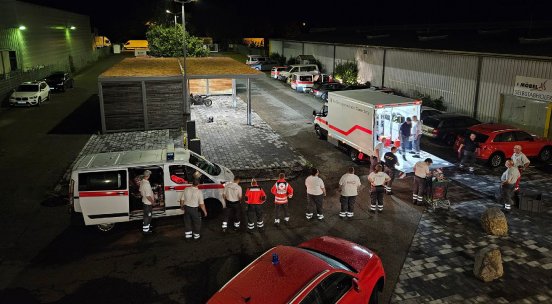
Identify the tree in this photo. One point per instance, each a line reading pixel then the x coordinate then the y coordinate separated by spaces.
pixel 346 72
pixel 166 41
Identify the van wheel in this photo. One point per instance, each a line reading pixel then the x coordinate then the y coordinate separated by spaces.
pixel 106 227
pixel 545 154
pixel 318 131
pixel 353 153
pixel 496 160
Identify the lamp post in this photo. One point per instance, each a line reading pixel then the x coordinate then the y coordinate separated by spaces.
pixel 186 95
pixel 175 14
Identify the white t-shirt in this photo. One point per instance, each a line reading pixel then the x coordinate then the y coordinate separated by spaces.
pixel 191 196
pixel 421 169
pixel 145 191
pixel 349 184
pixel 378 179
pixel 510 175
pixel 379 149
pixel 315 185
pixel 519 159
pixel 232 192
pixel 416 128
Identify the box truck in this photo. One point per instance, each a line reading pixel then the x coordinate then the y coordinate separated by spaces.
pixel 102 41
pixel 357 120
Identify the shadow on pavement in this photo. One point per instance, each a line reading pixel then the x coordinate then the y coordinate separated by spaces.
pixel 84 120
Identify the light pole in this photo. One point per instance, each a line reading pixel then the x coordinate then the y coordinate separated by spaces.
pixel 186 95
pixel 175 14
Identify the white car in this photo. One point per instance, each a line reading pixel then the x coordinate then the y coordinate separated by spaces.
pixel 31 93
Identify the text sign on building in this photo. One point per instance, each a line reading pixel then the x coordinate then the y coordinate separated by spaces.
pixel 534 88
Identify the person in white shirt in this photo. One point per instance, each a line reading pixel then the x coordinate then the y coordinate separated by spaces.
pixel 348 185
pixel 315 195
pixel 232 195
pixel 521 162
pixel 416 135
pixel 507 184
pixel 377 155
pixel 147 201
pixel 421 171
pixel 377 180
pixel 191 200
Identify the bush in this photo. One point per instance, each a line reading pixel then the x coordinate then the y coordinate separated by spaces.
pixel 346 73
pixel 166 41
pixel 430 102
pixel 281 60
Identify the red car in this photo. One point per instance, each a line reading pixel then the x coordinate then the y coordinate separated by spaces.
pixel 497 143
pixel 322 270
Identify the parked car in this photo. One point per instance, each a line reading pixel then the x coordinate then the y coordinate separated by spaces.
pixel 444 127
pixel 311 68
pixel 323 270
pixel 59 81
pixel 275 71
pixel 497 143
pixel 254 59
pixel 32 93
pixel 428 111
pixel 264 65
pixel 320 90
pixel 302 81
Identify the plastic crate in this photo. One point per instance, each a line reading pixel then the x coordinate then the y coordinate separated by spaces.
pixel 531 201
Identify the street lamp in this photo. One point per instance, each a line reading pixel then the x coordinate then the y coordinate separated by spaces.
pixel 175 14
pixel 184 47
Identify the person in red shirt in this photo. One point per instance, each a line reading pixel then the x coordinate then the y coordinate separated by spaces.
pixel 282 190
pixel 254 198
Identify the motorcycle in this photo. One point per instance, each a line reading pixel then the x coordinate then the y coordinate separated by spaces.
pixel 201 100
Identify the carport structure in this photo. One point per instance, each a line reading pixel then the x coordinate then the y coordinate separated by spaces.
pixel 140 94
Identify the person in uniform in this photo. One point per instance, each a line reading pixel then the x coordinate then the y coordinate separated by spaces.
pixel 191 200
pixel 421 171
pixel 391 161
pixel 348 185
pixel 232 196
pixel 147 202
pixel 282 191
pixel 255 198
pixel 315 195
pixel 468 155
pixel 521 162
pixel 507 183
pixel 377 180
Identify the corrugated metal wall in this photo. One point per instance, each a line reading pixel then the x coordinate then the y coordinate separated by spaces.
pixel 324 53
pixel 370 65
pixel 275 46
pixel 498 76
pixel 345 53
pixel 451 76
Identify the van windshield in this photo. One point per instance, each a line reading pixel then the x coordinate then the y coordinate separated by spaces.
pixel 308 69
pixel 205 165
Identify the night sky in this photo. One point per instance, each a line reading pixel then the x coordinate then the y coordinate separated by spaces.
pixel 125 19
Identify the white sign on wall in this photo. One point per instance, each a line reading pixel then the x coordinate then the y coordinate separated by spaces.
pixel 534 88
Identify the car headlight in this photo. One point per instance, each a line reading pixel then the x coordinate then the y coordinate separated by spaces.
pixel 32 97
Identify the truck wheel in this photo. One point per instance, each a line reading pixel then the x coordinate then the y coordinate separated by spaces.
pixel 496 160
pixel 545 154
pixel 106 227
pixel 353 154
pixel 318 131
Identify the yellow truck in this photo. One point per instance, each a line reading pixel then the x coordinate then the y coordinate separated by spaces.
pixel 136 45
pixel 102 41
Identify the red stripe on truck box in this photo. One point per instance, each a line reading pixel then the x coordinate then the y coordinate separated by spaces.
pixel 102 193
pixel 201 187
pixel 351 130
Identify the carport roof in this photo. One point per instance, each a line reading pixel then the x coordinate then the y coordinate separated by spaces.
pixel 165 68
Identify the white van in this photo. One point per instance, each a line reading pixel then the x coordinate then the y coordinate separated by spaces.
pixel 302 82
pixel 104 187
pixel 255 59
pixel 310 68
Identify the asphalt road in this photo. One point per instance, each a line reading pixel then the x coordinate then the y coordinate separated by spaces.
pixel 45 259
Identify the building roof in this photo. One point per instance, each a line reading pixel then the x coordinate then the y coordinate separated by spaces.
pixel 372 97
pixel 197 68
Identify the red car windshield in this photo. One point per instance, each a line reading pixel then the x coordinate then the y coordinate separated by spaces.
pixel 330 260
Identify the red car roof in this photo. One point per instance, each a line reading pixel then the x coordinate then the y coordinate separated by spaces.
pixel 491 127
pixel 262 282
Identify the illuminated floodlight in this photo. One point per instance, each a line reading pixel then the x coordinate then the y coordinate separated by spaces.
pixel 22 27
pixel 73 27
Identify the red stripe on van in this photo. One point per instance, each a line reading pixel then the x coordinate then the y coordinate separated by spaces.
pixel 102 193
pixel 202 187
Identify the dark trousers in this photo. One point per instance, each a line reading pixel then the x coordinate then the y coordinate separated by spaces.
pixel 391 172
pixel 347 206
pixel 376 197
pixel 281 208
pixel 506 194
pixel 314 202
pixel 254 212
pixel 468 158
pixel 405 143
pixel 146 224
pixel 231 212
pixel 192 221
pixel 418 190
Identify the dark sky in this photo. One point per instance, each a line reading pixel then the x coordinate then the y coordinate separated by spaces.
pixel 124 19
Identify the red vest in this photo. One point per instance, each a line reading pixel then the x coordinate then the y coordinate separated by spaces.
pixel 254 195
pixel 281 190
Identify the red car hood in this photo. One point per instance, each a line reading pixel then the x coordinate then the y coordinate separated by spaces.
pixel 347 252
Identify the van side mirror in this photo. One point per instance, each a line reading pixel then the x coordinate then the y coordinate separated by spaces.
pixel 356 286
